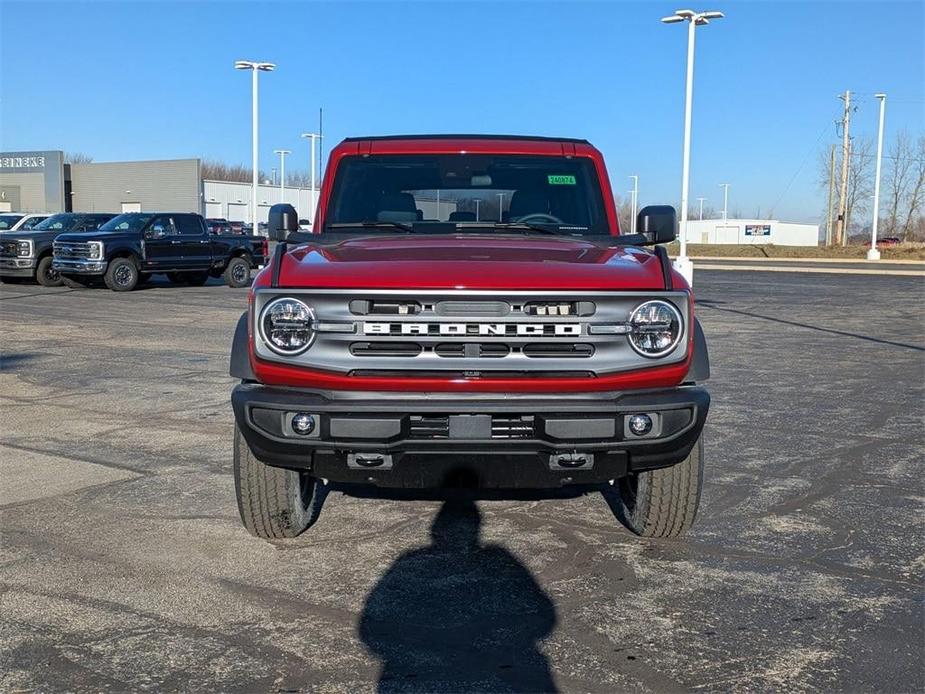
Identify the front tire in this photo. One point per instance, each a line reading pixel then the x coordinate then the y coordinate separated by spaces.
pixel 122 275
pixel 664 502
pixel 45 275
pixel 238 272
pixel 273 502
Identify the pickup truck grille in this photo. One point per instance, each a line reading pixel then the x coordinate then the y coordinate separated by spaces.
pixel 71 249
pixel 8 249
pixel 470 334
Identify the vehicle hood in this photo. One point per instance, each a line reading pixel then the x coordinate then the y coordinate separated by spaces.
pixel 34 236
pixel 471 261
pixel 104 236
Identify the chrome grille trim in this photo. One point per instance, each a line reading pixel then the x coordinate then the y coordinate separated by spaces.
pixel 72 249
pixel 415 343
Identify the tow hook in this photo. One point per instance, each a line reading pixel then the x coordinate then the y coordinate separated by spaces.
pixel 570 461
pixel 364 461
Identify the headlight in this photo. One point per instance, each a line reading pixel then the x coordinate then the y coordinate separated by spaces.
pixel 655 328
pixel 96 249
pixel 286 326
pixel 24 249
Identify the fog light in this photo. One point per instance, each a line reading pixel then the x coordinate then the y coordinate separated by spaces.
pixel 640 424
pixel 303 423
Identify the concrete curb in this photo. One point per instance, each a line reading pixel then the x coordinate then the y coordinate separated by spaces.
pixel 816 270
pixel 843 261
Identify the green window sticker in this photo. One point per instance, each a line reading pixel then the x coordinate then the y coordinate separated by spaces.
pixel 561 180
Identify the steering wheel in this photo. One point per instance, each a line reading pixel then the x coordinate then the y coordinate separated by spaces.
pixel 535 217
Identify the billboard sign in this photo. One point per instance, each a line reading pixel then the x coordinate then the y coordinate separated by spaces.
pixel 757 229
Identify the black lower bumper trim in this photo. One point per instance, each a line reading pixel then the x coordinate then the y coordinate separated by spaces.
pixel 501 441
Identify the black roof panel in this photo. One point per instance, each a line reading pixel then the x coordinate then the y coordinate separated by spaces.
pixel 468 136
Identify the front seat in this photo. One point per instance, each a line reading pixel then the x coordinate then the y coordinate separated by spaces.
pixel 526 202
pixel 396 207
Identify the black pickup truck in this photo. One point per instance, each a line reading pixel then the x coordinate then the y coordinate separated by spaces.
pixel 26 253
pixel 133 246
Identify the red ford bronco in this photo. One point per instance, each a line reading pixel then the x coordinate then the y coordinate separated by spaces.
pixel 467 311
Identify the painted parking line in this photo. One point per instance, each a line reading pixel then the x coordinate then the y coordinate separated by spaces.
pixel 819 270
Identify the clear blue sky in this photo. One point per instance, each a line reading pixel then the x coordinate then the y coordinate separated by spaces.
pixel 132 80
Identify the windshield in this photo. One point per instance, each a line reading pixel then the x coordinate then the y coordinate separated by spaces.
pixel 57 222
pixel 472 191
pixel 8 221
pixel 131 221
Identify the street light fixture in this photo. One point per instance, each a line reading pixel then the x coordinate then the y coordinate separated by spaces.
pixel 312 137
pixel 282 170
pixel 873 253
pixel 694 19
pixel 254 67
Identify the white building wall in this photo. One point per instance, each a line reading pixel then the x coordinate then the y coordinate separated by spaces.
pixel 232 200
pixel 752 231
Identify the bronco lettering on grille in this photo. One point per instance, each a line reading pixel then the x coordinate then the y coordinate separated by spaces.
pixel 482 329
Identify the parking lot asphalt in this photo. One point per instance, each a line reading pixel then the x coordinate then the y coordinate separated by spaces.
pixel 124 566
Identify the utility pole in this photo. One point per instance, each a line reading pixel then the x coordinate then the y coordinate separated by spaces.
pixel 841 231
pixel 828 214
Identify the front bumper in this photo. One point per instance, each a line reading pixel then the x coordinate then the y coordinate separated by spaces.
pixel 17 267
pixel 79 266
pixel 423 440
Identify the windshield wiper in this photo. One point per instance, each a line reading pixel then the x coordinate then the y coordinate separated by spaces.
pixel 371 225
pixel 521 226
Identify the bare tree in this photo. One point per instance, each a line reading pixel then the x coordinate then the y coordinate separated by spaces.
pixel 897 180
pixel 913 221
pixel 77 158
pixel 860 181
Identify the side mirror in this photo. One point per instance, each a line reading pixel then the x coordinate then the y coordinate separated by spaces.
pixel 282 220
pixel 658 223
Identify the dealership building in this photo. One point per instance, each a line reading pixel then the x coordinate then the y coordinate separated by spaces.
pixel 752 231
pixel 42 181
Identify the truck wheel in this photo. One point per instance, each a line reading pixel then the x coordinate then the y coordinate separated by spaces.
pixel 122 275
pixel 661 503
pixel 238 272
pixel 45 275
pixel 76 282
pixel 273 502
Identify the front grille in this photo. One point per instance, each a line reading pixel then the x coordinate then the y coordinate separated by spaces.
pixel 503 426
pixel 512 426
pixel 456 334
pixel 72 249
pixel 9 249
pixel 429 427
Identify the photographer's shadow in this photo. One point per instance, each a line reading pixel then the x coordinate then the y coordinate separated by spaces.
pixel 458 615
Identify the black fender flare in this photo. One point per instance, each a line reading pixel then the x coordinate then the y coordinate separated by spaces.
pixel 240 366
pixel 700 366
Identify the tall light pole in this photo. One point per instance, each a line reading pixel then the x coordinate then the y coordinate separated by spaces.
pixel 635 202
pixel 312 137
pixel 725 187
pixel 255 67
pixel 477 201
pixel 500 206
pixel 701 207
pixel 282 170
pixel 873 253
pixel 694 19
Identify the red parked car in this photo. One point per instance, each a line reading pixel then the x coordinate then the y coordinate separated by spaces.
pixel 886 241
pixel 467 311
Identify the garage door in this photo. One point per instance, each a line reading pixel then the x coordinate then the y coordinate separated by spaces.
pixel 214 210
pixel 131 207
pixel 237 212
